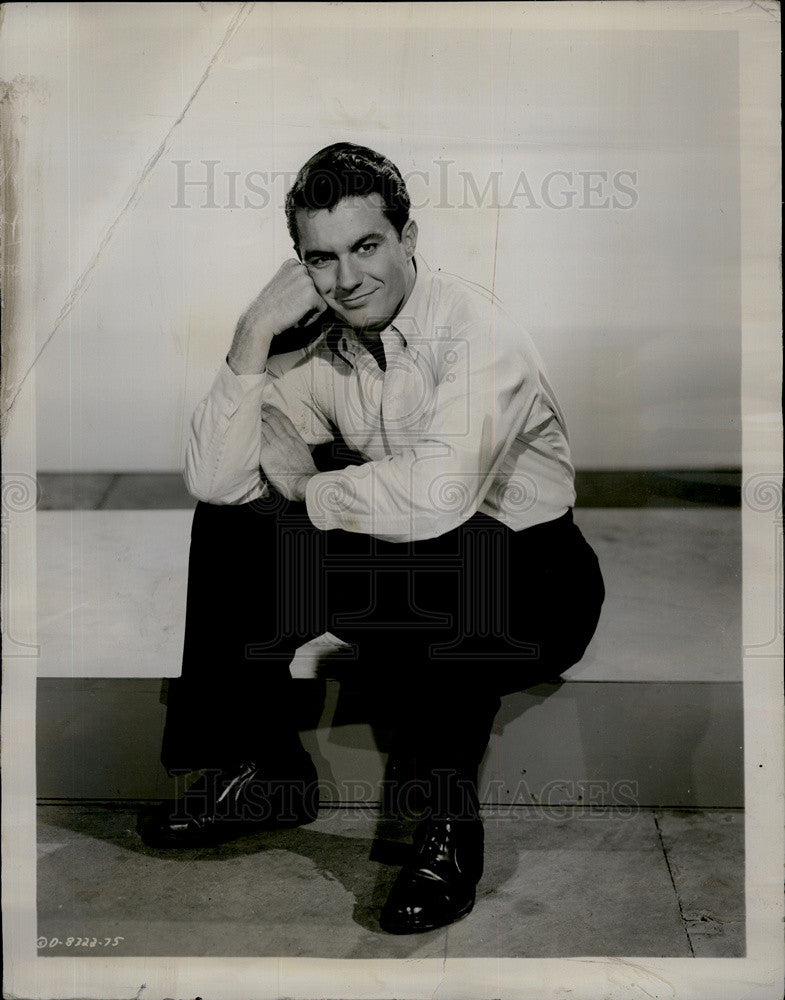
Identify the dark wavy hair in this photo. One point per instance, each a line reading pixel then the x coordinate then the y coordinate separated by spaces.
pixel 346 170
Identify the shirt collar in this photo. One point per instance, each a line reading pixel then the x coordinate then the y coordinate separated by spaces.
pixel 410 323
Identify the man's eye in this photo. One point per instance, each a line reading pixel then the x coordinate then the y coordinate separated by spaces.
pixel 318 261
pixel 367 249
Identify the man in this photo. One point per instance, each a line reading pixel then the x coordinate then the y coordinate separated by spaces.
pixel 437 539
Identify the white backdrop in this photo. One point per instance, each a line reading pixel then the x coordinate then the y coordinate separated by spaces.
pixel 628 278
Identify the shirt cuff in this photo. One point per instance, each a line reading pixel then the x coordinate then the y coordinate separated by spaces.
pixel 234 389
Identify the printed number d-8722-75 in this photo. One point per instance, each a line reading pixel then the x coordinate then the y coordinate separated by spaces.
pixel 79 942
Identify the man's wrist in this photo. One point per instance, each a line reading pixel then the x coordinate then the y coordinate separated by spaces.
pixel 249 350
pixel 294 489
pixel 241 368
pixel 241 363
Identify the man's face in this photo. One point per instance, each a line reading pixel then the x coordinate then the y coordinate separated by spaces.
pixel 360 266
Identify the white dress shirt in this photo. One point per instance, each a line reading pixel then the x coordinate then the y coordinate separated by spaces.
pixel 462 420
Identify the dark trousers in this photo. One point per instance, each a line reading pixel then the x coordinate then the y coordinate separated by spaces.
pixel 439 629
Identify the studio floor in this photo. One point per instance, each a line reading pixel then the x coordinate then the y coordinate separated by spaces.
pixel 564 882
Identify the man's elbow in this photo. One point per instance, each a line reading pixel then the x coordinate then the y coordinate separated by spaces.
pixel 197 489
pixel 201 487
pixel 222 491
pixel 426 522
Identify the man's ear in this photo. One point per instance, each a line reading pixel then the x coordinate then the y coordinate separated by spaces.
pixel 409 237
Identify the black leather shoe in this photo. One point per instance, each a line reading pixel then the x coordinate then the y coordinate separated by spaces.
pixel 438 886
pixel 224 804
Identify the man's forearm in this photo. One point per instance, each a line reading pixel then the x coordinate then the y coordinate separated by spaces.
pixel 250 347
pixel 285 458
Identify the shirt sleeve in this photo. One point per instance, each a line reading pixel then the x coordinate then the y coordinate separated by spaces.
pixel 485 388
pixel 222 456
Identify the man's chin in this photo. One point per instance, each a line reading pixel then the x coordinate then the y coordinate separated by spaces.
pixel 362 320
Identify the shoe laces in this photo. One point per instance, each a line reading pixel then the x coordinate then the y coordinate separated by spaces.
pixel 445 842
pixel 435 844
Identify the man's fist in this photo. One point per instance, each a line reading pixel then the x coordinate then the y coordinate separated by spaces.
pixel 286 300
pixel 289 299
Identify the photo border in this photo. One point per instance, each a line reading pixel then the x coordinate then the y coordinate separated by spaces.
pixel 760 973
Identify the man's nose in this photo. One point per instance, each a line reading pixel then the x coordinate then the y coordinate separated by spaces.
pixel 349 276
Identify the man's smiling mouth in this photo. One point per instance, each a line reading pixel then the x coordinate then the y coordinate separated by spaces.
pixel 356 300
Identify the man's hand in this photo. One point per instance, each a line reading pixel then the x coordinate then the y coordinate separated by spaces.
pixel 289 299
pixel 285 457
